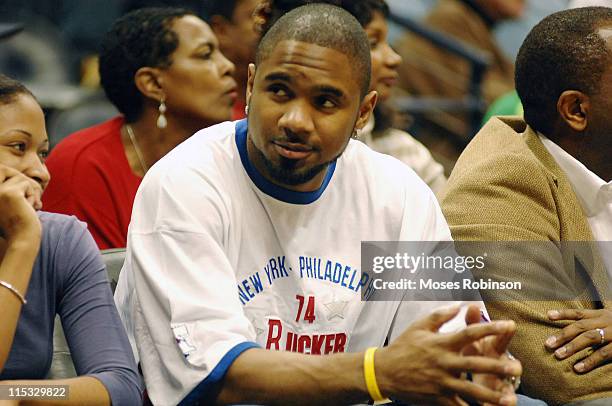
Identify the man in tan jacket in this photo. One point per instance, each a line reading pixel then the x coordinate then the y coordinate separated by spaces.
pixel 547 178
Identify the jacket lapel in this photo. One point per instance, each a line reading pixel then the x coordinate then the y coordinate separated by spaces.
pixel 575 231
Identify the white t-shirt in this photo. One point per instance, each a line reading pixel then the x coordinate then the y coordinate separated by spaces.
pixel 220 260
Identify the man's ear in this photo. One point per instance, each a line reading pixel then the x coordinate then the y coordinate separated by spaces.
pixel 573 106
pixel 148 81
pixel 250 82
pixel 366 109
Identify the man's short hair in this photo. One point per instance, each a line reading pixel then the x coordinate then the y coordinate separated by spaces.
pixel 327 26
pixel 362 10
pixel 562 52
pixel 140 38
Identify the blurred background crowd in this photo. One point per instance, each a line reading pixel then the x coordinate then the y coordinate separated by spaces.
pixel 446 85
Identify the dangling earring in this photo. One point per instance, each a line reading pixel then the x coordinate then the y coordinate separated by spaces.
pixel 355 135
pixel 246 110
pixel 161 120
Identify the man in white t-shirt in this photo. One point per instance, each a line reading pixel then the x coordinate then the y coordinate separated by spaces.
pixel 245 240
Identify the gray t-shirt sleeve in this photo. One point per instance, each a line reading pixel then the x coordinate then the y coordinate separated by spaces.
pixel 98 343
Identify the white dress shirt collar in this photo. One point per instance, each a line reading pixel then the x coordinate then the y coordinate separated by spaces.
pixel 593 192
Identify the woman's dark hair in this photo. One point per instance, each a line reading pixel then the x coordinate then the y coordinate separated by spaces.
pixel 225 8
pixel 10 89
pixel 143 37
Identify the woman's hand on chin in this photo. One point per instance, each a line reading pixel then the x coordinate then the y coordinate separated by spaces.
pixel 20 197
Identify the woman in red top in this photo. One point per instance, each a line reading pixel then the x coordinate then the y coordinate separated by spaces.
pixel 162 69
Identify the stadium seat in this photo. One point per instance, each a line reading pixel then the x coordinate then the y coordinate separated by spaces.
pixel 61 363
pixel 113 258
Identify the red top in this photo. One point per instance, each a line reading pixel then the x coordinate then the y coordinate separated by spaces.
pixel 238 111
pixel 92 179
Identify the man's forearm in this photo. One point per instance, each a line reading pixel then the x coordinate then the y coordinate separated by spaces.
pixel 280 378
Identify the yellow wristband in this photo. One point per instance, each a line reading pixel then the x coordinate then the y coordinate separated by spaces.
pixel 370 375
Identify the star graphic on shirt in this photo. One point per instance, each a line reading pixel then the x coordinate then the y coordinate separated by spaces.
pixel 256 325
pixel 336 308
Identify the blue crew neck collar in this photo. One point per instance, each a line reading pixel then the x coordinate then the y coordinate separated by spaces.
pixel 269 188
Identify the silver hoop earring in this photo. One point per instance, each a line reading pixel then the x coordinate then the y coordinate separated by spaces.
pixel 246 110
pixel 161 120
